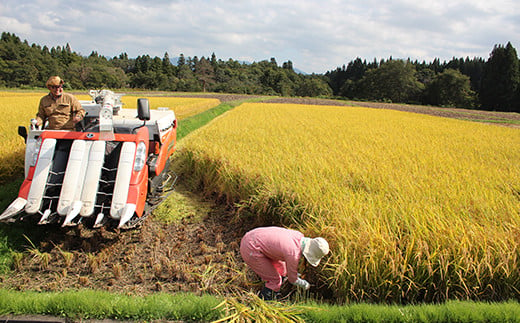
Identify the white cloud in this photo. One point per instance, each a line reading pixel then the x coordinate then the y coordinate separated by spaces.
pixel 13 25
pixel 315 35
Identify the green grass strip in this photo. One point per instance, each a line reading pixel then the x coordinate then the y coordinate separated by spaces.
pixel 194 122
pixel 499 121
pixel 453 311
pixel 89 304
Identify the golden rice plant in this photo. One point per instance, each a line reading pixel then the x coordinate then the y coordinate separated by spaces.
pixel 415 207
pixel 4 94
pixel 250 308
pixel 17 109
pixel 68 258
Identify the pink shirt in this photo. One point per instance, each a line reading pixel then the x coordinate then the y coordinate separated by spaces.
pixel 277 244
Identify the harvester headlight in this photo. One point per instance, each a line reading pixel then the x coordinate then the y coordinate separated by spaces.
pixel 140 157
pixel 35 150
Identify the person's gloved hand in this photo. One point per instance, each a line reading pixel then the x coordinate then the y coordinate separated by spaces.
pixel 302 283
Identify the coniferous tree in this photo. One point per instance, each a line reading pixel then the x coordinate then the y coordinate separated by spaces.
pixel 181 60
pixel 500 80
pixel 204 72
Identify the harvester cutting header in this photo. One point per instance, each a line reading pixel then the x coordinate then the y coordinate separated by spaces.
pixel 110 169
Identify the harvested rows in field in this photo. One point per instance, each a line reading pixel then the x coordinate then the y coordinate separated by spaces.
pixel 198 254
pixel 415 207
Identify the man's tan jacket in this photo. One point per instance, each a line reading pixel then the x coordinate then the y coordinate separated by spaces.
pixel 59 112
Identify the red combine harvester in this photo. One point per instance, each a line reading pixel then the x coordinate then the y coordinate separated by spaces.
pixel 111 171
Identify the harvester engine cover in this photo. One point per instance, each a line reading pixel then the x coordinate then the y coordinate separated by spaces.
pixel 111 170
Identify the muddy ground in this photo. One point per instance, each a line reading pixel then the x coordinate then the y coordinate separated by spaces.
pixel 198 254
pixel 190 255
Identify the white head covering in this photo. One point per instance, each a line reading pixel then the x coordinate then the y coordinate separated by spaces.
pixel 314 249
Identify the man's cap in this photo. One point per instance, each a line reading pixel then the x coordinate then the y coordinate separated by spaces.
pixel 54 81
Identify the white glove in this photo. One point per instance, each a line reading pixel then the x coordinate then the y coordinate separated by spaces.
pixel 302 283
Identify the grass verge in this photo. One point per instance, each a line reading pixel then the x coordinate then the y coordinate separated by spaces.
pixel 88 304
pixel 452 311
pixel 192 123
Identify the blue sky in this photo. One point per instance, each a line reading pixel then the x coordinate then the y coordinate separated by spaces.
pixel 317 36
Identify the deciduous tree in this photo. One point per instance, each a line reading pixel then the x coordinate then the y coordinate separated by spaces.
pixel 450 89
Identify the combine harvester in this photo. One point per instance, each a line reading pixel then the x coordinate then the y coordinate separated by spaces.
pixel 112 171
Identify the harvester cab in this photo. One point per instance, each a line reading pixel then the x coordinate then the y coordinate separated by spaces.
pixel 113 169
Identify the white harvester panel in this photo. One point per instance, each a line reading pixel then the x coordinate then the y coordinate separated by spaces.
pixel 93 174
pixel 80 183
pixel 30 145
pixel 41 173
pixel 72 182
pixel 124 173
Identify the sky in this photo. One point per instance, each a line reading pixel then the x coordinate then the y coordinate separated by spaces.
pixel 316 36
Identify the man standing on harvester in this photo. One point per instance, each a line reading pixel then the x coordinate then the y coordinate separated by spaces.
pixel 61 110
pixel 274 253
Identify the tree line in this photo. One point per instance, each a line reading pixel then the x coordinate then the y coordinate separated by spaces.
pixel 465 83
pixel 24 65
pixel 492 84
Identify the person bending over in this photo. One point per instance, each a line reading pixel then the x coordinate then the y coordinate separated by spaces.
pixel 274 253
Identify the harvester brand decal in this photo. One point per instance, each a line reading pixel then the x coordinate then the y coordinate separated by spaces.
pixel 167 128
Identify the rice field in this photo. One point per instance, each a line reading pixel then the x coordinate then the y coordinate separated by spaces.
pixel 183 107
pixel 415 207
pixel 18 108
